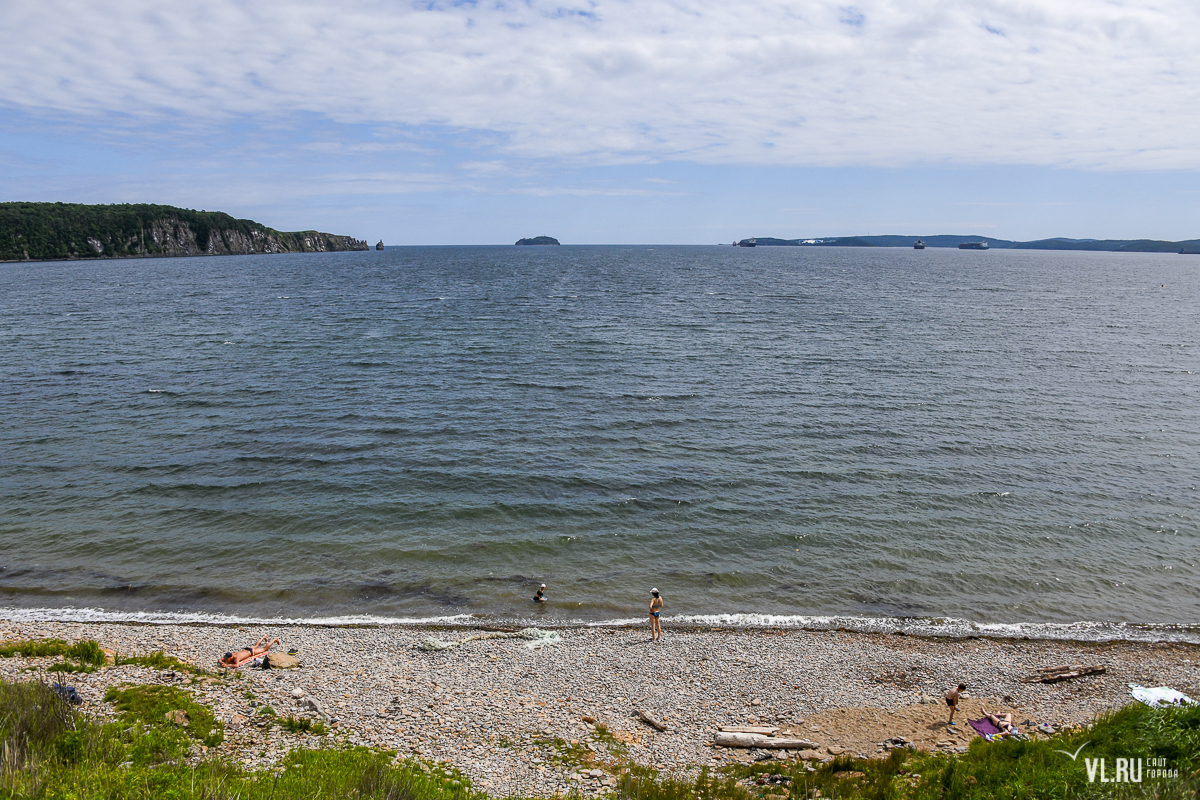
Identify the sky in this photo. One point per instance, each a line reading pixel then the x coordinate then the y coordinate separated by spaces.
pixel 613 121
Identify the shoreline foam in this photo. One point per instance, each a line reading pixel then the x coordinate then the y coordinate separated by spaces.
pixel 927 627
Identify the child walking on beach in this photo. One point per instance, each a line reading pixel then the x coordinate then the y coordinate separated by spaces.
pixel 952 701
pixel 656 605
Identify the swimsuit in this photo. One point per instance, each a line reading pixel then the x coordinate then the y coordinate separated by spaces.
pixel 656 613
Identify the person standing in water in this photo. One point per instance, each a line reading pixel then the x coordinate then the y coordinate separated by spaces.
pixel 656 605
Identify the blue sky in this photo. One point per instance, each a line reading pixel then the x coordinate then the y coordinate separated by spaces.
pixel 649 121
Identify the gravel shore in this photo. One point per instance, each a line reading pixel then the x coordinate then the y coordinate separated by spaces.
pixel 490 707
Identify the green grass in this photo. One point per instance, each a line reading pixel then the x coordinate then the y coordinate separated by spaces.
pixel 160 660
pixel 34 648
pixel 86 652
pixel 150 704
pixel 83 656
pixel 616 748
pixel 50 750
pixel 303 725
pixel 69 666
pixel 640 784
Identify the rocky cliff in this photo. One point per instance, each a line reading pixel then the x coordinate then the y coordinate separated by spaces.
pixel 37 231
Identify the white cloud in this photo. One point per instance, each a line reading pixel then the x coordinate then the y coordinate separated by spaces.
pixel 1074 83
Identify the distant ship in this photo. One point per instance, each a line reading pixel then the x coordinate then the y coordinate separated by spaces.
pixel 973 246
pixel 919 244
pixel 748 243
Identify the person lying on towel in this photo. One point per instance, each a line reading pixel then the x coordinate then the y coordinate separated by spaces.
pixel 256 650
pixel 1002 721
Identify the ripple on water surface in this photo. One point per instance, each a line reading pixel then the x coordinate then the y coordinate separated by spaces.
pixel 778 436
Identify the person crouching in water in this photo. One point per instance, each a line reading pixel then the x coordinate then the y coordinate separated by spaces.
pixel 540 597
pixel 656 605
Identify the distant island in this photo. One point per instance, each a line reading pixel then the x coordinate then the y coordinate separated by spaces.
pixel 539 240
pixel 59 231
pixel 1110 245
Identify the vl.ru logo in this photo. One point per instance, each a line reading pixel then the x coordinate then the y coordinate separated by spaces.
pixel 1125 771
pixel 1128 770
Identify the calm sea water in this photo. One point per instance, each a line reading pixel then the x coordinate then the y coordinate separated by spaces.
pixel 1000 441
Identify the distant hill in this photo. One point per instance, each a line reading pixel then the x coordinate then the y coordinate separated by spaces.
pixel 845 241
pixel 539 240
pixel 49 231
pixel 1112 245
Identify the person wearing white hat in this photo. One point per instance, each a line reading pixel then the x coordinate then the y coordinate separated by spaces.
pixel 656 604
pixel 540 597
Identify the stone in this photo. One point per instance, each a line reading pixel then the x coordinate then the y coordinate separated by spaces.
pixel 280 661
pixel 297 693
pixel 314 705
pixel 176 717
pixel 834 750
pixel 809 755
pixel 756 702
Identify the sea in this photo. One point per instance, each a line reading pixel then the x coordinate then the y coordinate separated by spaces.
pixel 939 442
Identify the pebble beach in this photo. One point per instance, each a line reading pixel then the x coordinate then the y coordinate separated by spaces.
pixel 514 718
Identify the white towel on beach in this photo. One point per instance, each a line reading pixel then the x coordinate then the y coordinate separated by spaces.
pixel 1159 696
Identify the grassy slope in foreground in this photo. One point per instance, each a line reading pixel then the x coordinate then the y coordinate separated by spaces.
pixel 52 751
pixel 44 231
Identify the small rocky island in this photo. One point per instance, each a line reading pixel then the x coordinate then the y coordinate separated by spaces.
pixel 539 240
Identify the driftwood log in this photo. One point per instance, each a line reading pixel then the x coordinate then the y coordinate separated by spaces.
pixel 760 730
pixel 724 739
pixel 1063 673
pixel 651 720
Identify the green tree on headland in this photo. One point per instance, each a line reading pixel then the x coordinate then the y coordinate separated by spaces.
pixel 36 231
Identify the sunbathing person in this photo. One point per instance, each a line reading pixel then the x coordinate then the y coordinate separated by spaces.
pixel 239 657
pixel 1002 721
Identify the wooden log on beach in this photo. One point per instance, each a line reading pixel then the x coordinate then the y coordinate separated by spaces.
pixel 650 720
pixel 724 739
pixel 760 730
pixel 1063 673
